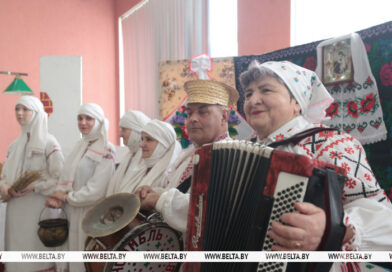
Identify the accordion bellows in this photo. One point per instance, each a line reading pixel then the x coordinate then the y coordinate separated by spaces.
pixel 239 188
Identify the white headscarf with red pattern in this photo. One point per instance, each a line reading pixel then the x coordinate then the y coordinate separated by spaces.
pixel 306 88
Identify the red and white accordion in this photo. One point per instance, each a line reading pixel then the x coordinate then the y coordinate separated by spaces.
pixel 239 188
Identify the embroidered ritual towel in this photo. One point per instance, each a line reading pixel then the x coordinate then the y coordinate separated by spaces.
pixel 357 108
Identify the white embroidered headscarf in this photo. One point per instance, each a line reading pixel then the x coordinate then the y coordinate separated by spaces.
pixel 166 151
pixel 37 128
pixel 134 120
pixel 305 86
pixel 99 133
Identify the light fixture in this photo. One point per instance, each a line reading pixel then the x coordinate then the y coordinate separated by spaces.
pixel 18 86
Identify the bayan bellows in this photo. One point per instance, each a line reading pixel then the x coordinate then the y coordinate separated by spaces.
pixel 239 188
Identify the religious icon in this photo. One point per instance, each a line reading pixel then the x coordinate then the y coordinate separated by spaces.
pixel 337 63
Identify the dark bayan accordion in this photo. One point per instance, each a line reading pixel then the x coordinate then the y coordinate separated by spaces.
pixel 239 188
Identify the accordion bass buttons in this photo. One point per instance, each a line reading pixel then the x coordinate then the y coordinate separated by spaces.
pixel 196 159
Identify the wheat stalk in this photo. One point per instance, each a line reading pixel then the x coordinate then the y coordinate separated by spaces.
pixel 26 179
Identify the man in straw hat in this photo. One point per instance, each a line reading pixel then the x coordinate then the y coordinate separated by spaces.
pixel 207 108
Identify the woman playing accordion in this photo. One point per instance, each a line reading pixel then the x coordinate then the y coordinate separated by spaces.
pixel 282 100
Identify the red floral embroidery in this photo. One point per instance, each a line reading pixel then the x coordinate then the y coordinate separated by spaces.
pixel 351 183
pixel 336 155
pixel 327 134
pixel 357 147
pixel 349 150
pixel 386 74
pixel 368 177
pixel 352 109
pixel 333 109
pixel 279 137
pixel 346 166
pixel 367 103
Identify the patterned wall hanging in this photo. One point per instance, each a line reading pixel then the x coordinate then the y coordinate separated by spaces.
pixel 344 66
pixel 47 102
pixel 174 73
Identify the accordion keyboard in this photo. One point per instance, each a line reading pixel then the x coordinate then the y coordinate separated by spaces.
pixel 289 190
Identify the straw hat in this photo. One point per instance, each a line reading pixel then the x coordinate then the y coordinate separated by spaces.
pixel 210 92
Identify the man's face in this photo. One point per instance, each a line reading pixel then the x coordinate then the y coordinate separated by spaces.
pixel 205 122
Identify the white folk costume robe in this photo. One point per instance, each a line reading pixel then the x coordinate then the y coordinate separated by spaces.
pixel 135 121
pixel 39 151
pixel 86 174
pixel 151 171
pixel 173 204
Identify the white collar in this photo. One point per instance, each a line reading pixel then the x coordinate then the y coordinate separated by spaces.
pixel 287 130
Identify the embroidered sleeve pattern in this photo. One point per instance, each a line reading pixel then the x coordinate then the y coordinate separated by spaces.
pixel 345 151
pixel 53 167
pixel 110 155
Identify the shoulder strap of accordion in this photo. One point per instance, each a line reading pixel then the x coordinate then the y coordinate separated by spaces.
pixel 185 185
pixel 295 139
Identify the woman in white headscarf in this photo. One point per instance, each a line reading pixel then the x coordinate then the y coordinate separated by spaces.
pixel 35 149
pixel 159 149
pixel 131 125
pixel 86 174
pixel 283 100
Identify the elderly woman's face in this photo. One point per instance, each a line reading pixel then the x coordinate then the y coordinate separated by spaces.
pixel 85 123
pixel 268 106
pixel 23 114
pixel 124 134
pixel 148 145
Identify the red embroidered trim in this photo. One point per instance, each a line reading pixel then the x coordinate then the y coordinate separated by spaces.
pixel 221 137
pixel 350 138
pixel 310 154
pixel 187 173
pixel 54 150
pixel 96 152
pixel 65 182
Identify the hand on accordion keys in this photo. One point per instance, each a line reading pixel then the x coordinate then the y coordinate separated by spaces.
pixel 148 197
pixel 300 231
